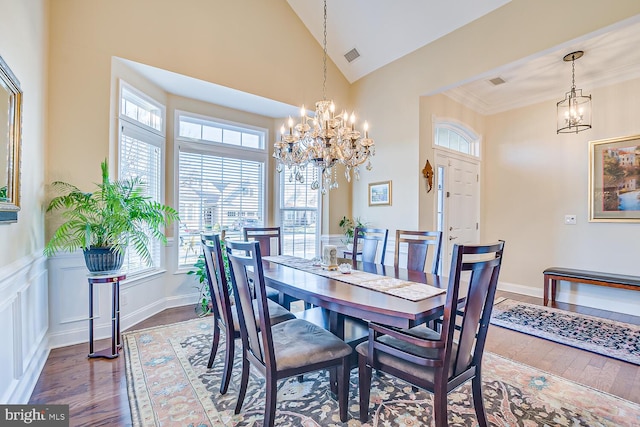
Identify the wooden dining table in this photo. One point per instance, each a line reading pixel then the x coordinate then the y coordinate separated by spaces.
pixel 344 309
pixel 343 299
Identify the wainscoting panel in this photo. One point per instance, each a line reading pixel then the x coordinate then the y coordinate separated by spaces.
pixel 25 321
pixel 8 349
pixel 140 298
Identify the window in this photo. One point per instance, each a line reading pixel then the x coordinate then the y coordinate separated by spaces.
pixel 299 214
pixel 221 181
pixel 456 138
pixel 140 155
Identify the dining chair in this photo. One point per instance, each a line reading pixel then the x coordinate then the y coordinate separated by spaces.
pixel 440 362
pixel 417 244
pixel 270 240
pixel 366 242
pixel 225 316
pixel 284 350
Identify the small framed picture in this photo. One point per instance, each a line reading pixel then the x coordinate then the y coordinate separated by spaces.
pixel 380 193
pixel 614 184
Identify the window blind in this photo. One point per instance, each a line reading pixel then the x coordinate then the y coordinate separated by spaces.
pixel 216 193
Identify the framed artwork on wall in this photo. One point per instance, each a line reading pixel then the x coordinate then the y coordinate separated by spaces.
pixel 380 193
pixel 614 180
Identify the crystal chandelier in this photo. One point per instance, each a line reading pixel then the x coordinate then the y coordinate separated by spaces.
pixel 574 111
pixel 323 141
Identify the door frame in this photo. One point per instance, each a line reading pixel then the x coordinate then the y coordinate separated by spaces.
pixel 442 158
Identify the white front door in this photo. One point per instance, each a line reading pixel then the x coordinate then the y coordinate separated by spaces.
pixel 458 202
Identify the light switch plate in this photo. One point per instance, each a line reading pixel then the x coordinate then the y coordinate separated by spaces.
pixel 570 219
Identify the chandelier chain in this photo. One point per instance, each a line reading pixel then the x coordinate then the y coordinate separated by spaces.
pixel 324 56
pixel 573 73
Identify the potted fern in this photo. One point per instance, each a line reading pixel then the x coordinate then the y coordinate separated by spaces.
pixel 104 223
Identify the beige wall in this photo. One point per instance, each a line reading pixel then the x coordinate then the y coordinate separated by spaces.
pixel 389 97
pixel 23 46
pixel 254 46
pixel 395 100
pixel 533 177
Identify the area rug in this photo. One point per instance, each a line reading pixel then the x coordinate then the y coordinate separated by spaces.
pixel 607 337
pixel 169 385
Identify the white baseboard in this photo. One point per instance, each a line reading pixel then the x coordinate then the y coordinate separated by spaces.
pixel 519 289
pixel 79 335
pixel 603 298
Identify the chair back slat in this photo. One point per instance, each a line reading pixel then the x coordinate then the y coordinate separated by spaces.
pixel 417 244
pixel 245 263
pixel 368 241
pixel 270 239
pixel 216 278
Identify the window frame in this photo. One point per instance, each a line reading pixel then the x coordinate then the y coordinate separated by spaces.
pixel 452 125
pixel 281 177
pixel 153 137
pixel 218 149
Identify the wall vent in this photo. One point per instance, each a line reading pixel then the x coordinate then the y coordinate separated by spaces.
pixel 497 81
pixel 352 55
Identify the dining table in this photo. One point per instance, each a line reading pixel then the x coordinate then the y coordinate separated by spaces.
pixel 346 299
pixel 345 309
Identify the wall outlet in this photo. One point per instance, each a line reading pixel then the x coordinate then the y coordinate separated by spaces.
pixel 570 219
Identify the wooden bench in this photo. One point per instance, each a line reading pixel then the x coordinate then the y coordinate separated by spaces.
pixel 554 274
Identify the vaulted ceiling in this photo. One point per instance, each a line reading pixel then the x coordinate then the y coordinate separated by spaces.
pixel 383 31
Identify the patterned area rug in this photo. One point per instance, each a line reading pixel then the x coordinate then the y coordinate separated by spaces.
pixel 169 385
pixel 602 336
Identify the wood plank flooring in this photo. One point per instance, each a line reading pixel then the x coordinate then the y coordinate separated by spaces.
pixel 96 389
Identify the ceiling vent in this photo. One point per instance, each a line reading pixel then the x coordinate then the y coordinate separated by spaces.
pixel 497 81
pixel 352 55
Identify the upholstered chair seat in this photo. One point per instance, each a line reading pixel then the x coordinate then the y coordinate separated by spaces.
pixel 298 343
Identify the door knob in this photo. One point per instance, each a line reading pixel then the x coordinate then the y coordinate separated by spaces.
pixel 452 237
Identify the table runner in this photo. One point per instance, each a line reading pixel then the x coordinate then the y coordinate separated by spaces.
pixel 412 291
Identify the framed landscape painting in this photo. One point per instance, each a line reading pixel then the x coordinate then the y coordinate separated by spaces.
pixel 614 180
pixel 380 193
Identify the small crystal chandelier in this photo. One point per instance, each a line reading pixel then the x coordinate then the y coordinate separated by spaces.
pixel 323 140
pixel 574 111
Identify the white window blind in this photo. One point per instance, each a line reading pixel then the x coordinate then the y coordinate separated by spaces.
pixel 216 193
pixel 140 155
pixel 300 214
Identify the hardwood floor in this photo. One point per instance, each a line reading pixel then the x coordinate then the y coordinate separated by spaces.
pixel 96 389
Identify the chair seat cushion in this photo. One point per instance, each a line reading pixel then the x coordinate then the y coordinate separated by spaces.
pixel 299 343
pixel 277 314
pixel 423 372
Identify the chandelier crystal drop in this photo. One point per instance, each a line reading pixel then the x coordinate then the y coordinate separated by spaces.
pixel 323 140
pixel 574 111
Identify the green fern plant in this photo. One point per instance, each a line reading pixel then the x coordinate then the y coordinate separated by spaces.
pixel 116 215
